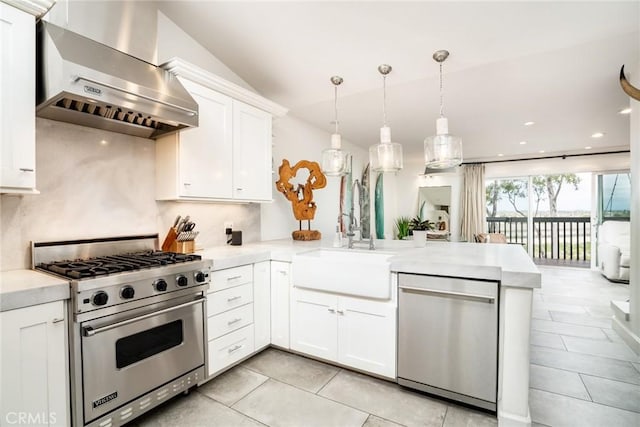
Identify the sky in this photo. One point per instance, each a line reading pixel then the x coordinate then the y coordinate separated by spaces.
pixel 571 199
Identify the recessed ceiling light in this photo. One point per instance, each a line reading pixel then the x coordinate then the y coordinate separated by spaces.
pixel 625 111
pixel 523 142
pixel 587 148
pixel 541 151
pixel 500 154
pixel 597 135
pixel 529 123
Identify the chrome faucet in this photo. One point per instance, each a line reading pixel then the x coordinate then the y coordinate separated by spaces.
pixel 353 222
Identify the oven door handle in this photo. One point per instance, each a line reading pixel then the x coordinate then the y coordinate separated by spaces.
pixel 88 331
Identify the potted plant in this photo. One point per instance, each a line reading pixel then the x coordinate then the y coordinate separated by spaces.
pixel 402 225
pixel 419 229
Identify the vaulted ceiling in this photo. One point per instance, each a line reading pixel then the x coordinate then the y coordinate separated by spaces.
pixel 553 63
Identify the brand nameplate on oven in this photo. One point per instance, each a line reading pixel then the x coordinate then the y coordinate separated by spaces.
pixel 93 90
pixel 103 400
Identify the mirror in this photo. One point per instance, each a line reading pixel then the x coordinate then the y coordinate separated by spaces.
pixel 434 204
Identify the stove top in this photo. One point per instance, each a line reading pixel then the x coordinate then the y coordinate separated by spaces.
pixel 104 265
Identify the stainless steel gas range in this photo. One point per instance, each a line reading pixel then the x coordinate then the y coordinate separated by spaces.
pixel 136 329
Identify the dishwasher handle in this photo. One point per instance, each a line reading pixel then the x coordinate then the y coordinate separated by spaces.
pixel 450 294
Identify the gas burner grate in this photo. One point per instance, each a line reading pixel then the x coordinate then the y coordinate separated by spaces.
pixel 100 266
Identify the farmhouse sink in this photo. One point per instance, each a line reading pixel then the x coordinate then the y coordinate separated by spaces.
pixel 344 271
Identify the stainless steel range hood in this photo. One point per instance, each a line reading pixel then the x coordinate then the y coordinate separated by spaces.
pixel 87 83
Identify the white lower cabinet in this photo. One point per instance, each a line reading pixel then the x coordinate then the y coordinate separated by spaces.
pixel 354 332
pixel 262 304
pixel 280 288
pixel 34 368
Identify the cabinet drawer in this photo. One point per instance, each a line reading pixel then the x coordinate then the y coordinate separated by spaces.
pixel 218 302
pixel 223 279
pixel 229 321
pixel 229 348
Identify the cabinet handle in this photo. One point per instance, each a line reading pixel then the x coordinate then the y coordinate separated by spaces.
pixel 26 169
pixel 239 189
pixel 186 184
pixel 340 312
pixel 231 322
pixel 234 298
pixel 233 278
pixel 331 310
pixel 235 348
pixel 57 320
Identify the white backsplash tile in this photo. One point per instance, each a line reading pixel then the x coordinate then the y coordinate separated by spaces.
pixel 95 183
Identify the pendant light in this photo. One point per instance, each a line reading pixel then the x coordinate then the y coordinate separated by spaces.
pixel 442 150
pixel 336 161
pixel 386 156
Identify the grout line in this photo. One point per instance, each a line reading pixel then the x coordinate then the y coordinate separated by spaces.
pixel 592 403
pixel 231 408
pixel 585 373
pixel 444 418
pixel 561 394
pixel 585 386
pixel 328 381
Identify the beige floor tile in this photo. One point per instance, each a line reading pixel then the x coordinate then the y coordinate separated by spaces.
pixel 585 363
pixel 385 399
pixel 458 416
pixel 613 393
pixel 567 329
pixel 558 381
pixel 280 405
pixel 374 421
pixel 194 410
pixel 581 319
pixel 295 370
pixel 613 350
pixel 233 385
pixel 562 411
pixel 546 339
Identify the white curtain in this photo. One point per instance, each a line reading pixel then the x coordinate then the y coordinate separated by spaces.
pixel 473 201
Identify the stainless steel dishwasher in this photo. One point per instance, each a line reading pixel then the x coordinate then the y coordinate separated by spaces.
pixel 448 337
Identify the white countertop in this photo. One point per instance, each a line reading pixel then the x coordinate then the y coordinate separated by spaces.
pixel 23 288
pixel 509 264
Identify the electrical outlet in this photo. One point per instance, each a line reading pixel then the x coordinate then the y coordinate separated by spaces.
pixel 228 224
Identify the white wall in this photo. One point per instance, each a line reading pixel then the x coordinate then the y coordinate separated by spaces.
pixel 95 184
pixel 296 140
pixel 634 279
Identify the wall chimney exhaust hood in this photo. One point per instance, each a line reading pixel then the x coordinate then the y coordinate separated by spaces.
pixel 87 83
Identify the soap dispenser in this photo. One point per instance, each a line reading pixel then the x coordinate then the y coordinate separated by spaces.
pixel 337 238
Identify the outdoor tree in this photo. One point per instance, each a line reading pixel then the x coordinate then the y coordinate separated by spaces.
pixel 549 186
pixel 514 190
pixel 493 195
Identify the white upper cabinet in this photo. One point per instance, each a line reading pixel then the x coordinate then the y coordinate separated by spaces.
pixel 17 101
pixel 228 157
pixel 252 178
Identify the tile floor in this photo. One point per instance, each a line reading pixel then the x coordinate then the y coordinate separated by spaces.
pixel 582 374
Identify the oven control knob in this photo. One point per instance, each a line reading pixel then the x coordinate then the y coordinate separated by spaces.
pixel 200 277
pixel 182 280
pixel 127 292
pixel 160 285
pixel 100 298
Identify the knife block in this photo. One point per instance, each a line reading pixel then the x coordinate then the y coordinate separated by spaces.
pixel 184 247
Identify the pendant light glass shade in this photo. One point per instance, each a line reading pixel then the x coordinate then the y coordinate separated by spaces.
pixel 385 156
pixel 442 150
pixel 336 161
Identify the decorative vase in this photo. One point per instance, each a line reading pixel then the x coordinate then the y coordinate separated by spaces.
pixel 420 238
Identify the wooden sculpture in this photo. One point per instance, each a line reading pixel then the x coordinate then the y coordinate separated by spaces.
pixel 301 198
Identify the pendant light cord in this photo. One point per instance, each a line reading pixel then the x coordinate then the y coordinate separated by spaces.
pixel 335 104
pixel 441 93
pixel 384 100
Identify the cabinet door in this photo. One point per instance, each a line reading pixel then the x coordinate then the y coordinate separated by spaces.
pixel 17 100
pixel 252 178
pixel 280 283
pixel 367 335
pixel 35 376
pixel 314 324
pixel 262 303
pixel 206 151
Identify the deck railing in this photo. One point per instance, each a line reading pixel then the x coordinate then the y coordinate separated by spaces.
pixel 554 238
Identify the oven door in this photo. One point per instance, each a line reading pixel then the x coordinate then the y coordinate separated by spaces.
pixel 128 354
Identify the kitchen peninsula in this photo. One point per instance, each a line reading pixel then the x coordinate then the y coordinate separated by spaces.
pixel 267 266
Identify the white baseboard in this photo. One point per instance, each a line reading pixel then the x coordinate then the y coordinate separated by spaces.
pixel 622 329
pixel 506 419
